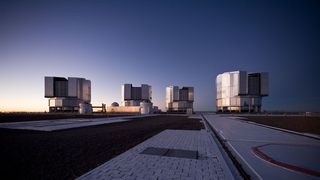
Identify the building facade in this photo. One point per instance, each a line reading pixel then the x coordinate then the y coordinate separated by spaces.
pixel 68 94
pixel 179 100
pixel 241 91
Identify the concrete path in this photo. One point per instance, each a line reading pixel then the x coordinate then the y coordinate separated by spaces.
pixel 61 124
pixel 134 165
pixel 268 153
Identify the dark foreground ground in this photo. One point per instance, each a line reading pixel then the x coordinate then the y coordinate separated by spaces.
pixel 306 124
pixel 68 154
pixel 17 117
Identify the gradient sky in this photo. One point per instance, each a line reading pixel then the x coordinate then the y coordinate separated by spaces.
pixel 161 43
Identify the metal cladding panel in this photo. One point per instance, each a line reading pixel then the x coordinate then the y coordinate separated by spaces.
pixel 71 102
pixel 55 102
pixel 60 88
pixel 183 94
pixel 150 93
pixel 254 84
pixel 175 93
pixel 145 92
pixel 234 91
pixel 136 93
pixel 190 93
pixel 72 87
pixel 264 91
pixel 225 85
pixel 168 95
pixel 64 102
pixel 59 102
pixel 126 92
pixel 122 95
pixel 48 87
pixel 86 90
pixel 218 86
pixel 80 88
pixel 243 83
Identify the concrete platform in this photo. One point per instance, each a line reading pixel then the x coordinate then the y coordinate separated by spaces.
pixel 61 124
pixel 268 153
pixel 133 164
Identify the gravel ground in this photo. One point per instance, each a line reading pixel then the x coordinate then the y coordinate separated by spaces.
pixel 68 154
pixel 308 124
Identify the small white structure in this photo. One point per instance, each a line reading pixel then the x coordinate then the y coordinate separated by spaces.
pixel 85 108
pixel 145 108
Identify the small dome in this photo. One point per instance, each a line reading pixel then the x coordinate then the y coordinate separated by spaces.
pixel 114 104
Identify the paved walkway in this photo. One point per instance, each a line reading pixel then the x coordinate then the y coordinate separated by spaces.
pixel 267 153
pixel 134 165
pixel 60 124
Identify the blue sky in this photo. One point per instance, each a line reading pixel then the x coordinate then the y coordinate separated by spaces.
pixel 161 43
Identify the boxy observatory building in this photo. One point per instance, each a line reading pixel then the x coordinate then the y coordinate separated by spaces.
pixel 179 100
pixel 133 96
pixel 240 91
pixel 134 100
pixel 72 94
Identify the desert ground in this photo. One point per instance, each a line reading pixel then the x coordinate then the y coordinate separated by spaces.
pixel 300 123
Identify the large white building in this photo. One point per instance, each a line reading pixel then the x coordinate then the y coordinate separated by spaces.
pixel 133 96
pixel 241 91
pixel 67 94
pixel 133 100
pixel 179 99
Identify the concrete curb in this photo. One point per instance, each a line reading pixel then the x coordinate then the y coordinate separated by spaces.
pixel 245 169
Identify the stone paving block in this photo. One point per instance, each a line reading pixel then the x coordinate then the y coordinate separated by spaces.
pixel 134 165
